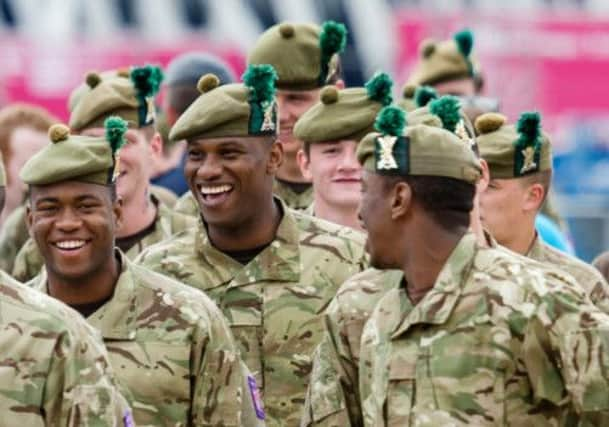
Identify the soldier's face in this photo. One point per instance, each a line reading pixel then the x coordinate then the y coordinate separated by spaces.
pixel 375 215
pixel 73 224
pixel 335 172
pixel 501 208
pixel 135 164
pixel 228 176
pixel 292 105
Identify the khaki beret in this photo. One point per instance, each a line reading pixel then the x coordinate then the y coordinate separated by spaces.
pixel 512 151
pixel 445 60
pixel 345 114
pixel 239 110
pixel 74 157
pixel 304 56
pixel 397 149
pixel 127 93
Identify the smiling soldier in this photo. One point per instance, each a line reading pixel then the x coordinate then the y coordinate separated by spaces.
pixel 271 270
pixel 168 343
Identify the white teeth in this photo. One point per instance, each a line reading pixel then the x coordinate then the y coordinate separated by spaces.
pixel 70 244
pixel 216 190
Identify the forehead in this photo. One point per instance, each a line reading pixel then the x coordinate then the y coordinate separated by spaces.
pixel 68 190
pixel 245 143
pixel 304 94
pixel 131 134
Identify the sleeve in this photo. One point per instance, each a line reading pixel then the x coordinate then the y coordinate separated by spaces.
pixel 332 397
pixel 81 389
pixel 223 394
pixel 566 349
pixel 28 262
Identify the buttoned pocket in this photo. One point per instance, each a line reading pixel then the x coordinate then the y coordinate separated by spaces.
pixel 400 391
pixel 247 328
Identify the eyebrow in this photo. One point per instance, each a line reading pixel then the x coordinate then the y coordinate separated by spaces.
pixel 81 198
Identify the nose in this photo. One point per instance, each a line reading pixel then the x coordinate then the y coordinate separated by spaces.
pixel 210 169
pixel 348 161
pixel 68 221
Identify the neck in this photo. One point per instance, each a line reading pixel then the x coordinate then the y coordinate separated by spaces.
pixel 289 171
pixel 138 214
pixel 428 250
pixel 522 237
pixel 95 286
pixel 256 231
pixel 338 214
pixel 475 224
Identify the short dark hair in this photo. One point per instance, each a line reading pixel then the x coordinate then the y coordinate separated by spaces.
pixel 448 201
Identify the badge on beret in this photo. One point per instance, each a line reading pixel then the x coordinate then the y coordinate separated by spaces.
pixel 391 147
pixel 147 81
pixel 527 148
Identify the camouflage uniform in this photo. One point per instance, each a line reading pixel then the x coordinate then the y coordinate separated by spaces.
pixel 55 370
pixel 590 279
pixel 12 237
pixel 297 201
pixel 273 304
pixel 495 342
pixel 29 260
pixel 172 351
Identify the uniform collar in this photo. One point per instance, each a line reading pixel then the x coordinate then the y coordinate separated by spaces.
pixel 438 304
pixel 280 261
pixel 116 319
pixel 536 250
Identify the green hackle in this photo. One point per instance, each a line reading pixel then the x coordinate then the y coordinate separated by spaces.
pixel 465 42
pixel 260 79
pixel 448 109
pixel 423 95
pixel 147 80
pixel 115 128
pixel 379 88
pixel 391 120
pixel 332 39
pixel 529 130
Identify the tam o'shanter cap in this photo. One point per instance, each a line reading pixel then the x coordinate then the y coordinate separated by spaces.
pixel 75 157
pixel 304 56
pixel 237 110
pixel 127 93
pixel 397 149
pixel 445 60
pixel 345 114
pixel 513 151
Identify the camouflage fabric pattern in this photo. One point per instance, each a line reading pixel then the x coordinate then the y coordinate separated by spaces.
pixel 55 370
pixel 297 201
pixel 589 278
pixel 333 392
pixel 29 261
pixel 13 236
pixel 495 342
pixel 171 349
pixel 274 303
pixel 187 205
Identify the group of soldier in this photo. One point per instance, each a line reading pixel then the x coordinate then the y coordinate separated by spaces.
pixel 342 258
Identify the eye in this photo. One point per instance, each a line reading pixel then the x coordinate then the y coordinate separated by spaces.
pixel 331 150
pixel 194 155
pixel 229 154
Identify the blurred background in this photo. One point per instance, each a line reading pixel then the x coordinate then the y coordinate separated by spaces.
pixel 548 55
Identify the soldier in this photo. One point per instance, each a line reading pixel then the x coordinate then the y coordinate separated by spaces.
pixel 55 370
pixel 130 95
pixel 520 162
pixel 471 335
pixel 169 344
pixel 330 132
pixel 305 58
pixel 271 270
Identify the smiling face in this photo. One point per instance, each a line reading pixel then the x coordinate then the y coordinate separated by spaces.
pixel 73 224
pixel 335 172
pixel 135 166
pixel 230 177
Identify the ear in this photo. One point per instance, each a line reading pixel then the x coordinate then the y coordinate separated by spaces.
pixel 304 164
pixel 340 84
pixel 117 212
pixel 156 145
pixel 29 219
pixel 401 200
pixel 482 184
pixel 275 158
pixel 533 197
